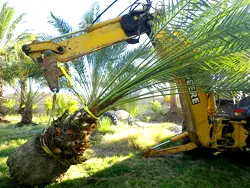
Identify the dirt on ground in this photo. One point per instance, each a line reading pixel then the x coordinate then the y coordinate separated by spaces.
pixel 4 121
pixel 176 117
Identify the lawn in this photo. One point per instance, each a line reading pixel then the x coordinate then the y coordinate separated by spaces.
pixel 115 161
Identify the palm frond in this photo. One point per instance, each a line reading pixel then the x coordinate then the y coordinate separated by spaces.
pixel 12 27
pixel 6 15
pixel 185 52
pixel 60 24
pixel 89 16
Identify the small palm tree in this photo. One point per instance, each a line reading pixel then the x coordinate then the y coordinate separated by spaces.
pixel 19 68
pixel 192 38
pixel 8 26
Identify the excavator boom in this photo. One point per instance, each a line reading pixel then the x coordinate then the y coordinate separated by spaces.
pixel 95 37
pixel 98 36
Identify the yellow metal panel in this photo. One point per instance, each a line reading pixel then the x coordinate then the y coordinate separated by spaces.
pixel 239 135
pixel 197 100
pixel 171 150
pixel 90 42
pixel 179 137
pixel 41 46
pixel 105 23
pixel 100 36
pixel 211 105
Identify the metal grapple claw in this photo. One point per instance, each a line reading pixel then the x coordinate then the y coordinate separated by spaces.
pixel 51 71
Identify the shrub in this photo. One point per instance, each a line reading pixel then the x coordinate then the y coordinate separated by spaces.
pixel 134 109
pixel 48 105
pixel 10 104
pixel 34 106
pixel 148 118
pixel 167 99
pixel 104 125
pixel 156 107
pixel 63 103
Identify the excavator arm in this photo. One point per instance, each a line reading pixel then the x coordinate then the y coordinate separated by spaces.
pixel 95 37
pixel 98 36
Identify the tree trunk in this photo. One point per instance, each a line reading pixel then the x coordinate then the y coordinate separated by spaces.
pixel 27 115
pixel 47 156
pixel 1 86
pixel 1 96
pixel 173 101
pixel 23 84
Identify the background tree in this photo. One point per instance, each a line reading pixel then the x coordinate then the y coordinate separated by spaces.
pixel 8 39
pixel 173 99
pixel 21 72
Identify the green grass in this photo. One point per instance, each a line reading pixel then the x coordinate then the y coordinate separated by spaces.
pixel 115 161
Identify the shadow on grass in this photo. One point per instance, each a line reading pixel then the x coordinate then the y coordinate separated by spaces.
pixel 166 172
pixel 179 170
pixel 10 144
pixel 15 138
pixel 200 169
pixel 5 180
pixel 6 152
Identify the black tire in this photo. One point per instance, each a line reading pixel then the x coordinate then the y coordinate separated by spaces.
pixel 112 117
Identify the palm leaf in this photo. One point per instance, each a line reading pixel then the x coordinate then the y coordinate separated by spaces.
pixel 60 24
pixel 89 16
pixel 181 58
pixel 6 16
pixel 12 27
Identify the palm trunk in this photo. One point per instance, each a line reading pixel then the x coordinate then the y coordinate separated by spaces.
pixel 173 104
pixel 47 156
pixel 27 115
pixel 1 95
pixel 22 95
pixel 1 86
pixel 173 101
pixel 28 103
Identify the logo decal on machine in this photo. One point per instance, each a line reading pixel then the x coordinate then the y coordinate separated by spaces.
pixel 192 91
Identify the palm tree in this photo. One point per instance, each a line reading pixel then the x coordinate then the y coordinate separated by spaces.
pixel 23 70
pixel 173 100
pixel 8 26
pixel 199 38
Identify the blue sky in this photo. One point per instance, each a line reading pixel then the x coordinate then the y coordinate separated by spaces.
pixel 38 12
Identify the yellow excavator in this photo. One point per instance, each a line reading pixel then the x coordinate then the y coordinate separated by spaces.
pixel 202 128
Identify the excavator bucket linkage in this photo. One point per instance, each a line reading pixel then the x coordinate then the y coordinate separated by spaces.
pixel 152 152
